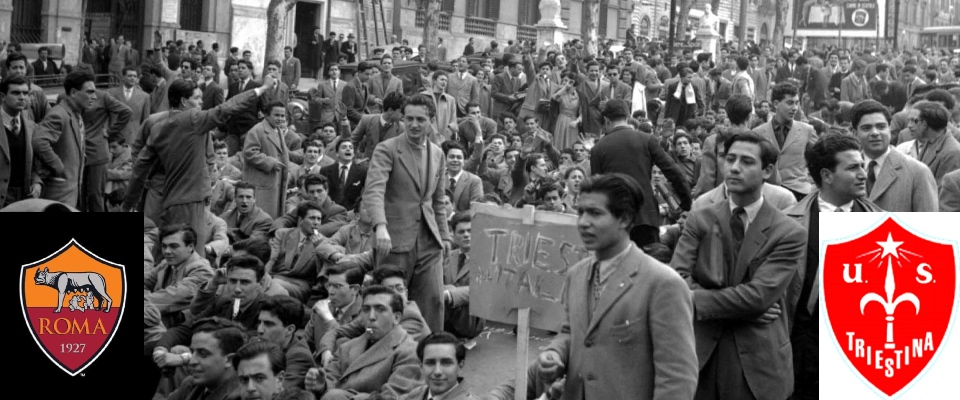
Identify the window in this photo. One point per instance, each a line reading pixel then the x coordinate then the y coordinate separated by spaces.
pixel 489 9
pixel 529 12
pixel 664 31
pixel 645 26
pixel 25 24
pixel 191 14
pixel 447 6
pixel 602 24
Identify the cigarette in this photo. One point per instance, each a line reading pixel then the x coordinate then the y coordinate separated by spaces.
pixel 316 232
pixel 236 307
pixel 370 330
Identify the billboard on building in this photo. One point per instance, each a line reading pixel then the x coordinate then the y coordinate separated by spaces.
pixel 855 18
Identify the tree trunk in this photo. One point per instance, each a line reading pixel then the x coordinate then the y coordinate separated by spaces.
pixel 277 12
pixel 431 27
pixel 590 26
pixel 682 19
pixel 780 22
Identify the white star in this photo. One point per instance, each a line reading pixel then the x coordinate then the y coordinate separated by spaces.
pixel 890 247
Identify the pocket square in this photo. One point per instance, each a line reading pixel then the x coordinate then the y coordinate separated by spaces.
pixel 357 183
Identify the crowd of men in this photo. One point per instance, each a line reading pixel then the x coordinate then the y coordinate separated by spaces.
pixel 314 242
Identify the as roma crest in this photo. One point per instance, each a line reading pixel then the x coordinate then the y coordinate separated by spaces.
pixel 72 302
pixel 889 295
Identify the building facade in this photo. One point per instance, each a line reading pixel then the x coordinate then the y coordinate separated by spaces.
pixel 653 19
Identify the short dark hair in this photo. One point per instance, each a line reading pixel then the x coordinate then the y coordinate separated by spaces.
pixel 308 180
pixel 743 63
pixel 12 80
pixel 442 338
pixel 249 64
pixel 396 301
pixel 258 247
pixel 243 185
pixel 353 275
pixel 15 56
pixel 393 101
pixel 453 145
pixel 76 79
pixel 942 96
pixel 128 68
pixel 738 108
pixel 768 152
pixel 306 206
pixel 782 90
pixel 615 109
pixel 388 271
pixel 230 339
pixel 193 63
pixel 823 154
pixel 459 218
pixel 275 62
pixel 269 106
pixel 548 186
pixel 934 114
pixel 867 107
pixel 254 349
pixel 910 69
pixel 421 100
pixel 287 309
pixel 288 48
pixel 180 89
pixel 624 197
pixel 250 262
pixel 364 66
pixel 189 235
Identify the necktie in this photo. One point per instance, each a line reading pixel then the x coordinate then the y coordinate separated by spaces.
pixel 334 87
pixel 461 261
pixel 781 135
pixel 15 125
pixel 838 210
pixel 453 183
pixel 871 177
pixel 303 240
pixel 736 225
pixel 597 289
pixel 343 175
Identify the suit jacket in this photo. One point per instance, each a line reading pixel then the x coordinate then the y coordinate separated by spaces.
pixel 467 132
pixel 411 321
pixel 778 197
pixel 139 103
pixel 240 123
pixel 389 367
pixel 368 134
pixel 640 330
pixel 904 185
pixel 159 100
pixel 791 169
pixel 591 120
pixel 334 216
pixel 60 147
pixel 836 80
pixel 854 89
pixel 263 150
pixel 172 288
pixel 503 86
pixel 189 390
pixel 463 90
pixel 459 392
pixel 456 281
pixel 327 104
pixel 621 149
pixel 445 120
pixel 258 222
pixel 731 288
pixel 290 74
pixel 469 188
pixel 396 195
pixel 942 156
pixel 286 261
pixel 108 117
pixel 783 73
pixel 672 108
pixel 378 91
pixel 354 97
pixel 298 361
pixel 761 83
pixel 281 93
pixel 217 238
pixel 346 195
pixel 950 192
pixel 49 68
pixel 212 95
pixel 30 175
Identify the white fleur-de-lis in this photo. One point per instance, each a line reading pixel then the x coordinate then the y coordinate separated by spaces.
pixel 889 304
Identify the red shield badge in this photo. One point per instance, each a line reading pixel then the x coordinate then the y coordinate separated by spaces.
pixel 72 301
pixel 889 295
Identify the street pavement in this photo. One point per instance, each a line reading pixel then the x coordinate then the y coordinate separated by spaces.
pixel 491 362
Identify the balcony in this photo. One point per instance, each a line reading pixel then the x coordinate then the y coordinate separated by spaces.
pixel 526 32
pixel 480 26
pixel 444 20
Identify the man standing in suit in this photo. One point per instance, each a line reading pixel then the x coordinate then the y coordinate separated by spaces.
pixel 504 89
pixel 130 94
pixel 356 93
pixel 456 282
pixel 59 142
pixel 653 352
pixel 591 90
pixel 373 129
pixel 107 118
pixel 331 50
pixel 212 58
pixel 445 122
pixel 246 220
pixel 282 92
pixel 934 146
pixel 346 177
pixel 627 151
pixel 463 86
pixel 789 70
pixel 759 76
pixel 381 86
pixel 405 186
pixel 44 66
pixel 267 158
pixel 212 93
pixel 232 59
pixel 616 89
pixel 895 182
pixel 739 257
pixel 836 80
pixel 791 137
pixel 742 83
pixel 18 179
pixel 326 106
pixel 240 123
pixel 466 187
pixel 349 49
pixel 291 69
pixel 854 87
pixel 684 101
pixel 835 163
pixel 177 142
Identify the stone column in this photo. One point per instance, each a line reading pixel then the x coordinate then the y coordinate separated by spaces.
pixel 550 27
pixel 6 16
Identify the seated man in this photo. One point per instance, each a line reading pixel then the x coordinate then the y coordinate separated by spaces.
pixel 260 367
pixel 212 376
pixel 173 283
pixel 465 186
pixel 411 320
pixel 314 160
pixel 246 219
pixel 778 197
pixel 314 187
pixel 441 361
pixel 351 246
pixel 217 242
pixel 341 306
pixel 280 319
pixel 456 283
pixel 387 353
pixel 294 260
pixel 260 248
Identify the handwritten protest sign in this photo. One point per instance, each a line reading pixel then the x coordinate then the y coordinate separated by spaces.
pixel 520 258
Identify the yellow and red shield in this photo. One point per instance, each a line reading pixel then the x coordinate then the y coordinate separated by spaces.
pixel 72 302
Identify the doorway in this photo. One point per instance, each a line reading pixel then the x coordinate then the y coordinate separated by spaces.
pixel 309 15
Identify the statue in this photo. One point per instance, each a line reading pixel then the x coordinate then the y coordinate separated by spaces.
pixel 709 23
pixel 550 13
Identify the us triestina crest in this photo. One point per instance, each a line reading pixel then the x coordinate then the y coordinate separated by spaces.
pixel 889 295
pixel 72 302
